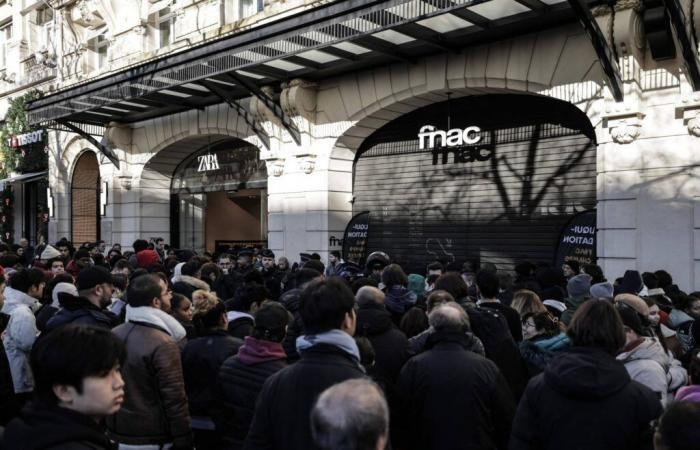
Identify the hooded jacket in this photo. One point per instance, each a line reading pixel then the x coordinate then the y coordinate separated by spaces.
pixel 389 343
pixel 19 337
pixel 55 428
pixel 452 398
pixel 538 352
pixel 649 364
pixel 677 318
pixel 584 400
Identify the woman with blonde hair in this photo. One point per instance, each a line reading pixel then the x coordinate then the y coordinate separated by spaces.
pixel 201 294
pixel 527 302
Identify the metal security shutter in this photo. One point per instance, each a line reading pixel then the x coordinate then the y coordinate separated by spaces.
pixel 84 199
pixel 505 210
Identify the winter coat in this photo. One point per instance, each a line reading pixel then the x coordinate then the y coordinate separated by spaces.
pixel 43 315
pixel 79 311
pixel 452 398
pixel 649 364
pixel 201 361
pixel 291 393
pixel 688 394
pixel 19 337
pixel 240 381
pixel 273 282
pixel 9 407
pixel 678 317
pixel 55 428
pixel 585 400
pixel 417 343
pixel 572 304
pixel 398 300
pixel 290 300
pixel 515 326
pixel 389 343
pixel 187 285
pixel 539 351
pixel 155 404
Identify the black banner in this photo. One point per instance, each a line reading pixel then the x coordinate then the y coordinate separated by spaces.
pixel 577 241
pixel 355 239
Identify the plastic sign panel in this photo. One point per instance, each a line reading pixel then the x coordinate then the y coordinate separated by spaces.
pixel 355 239
pixel 577 241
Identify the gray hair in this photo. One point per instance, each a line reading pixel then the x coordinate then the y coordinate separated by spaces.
pixel 369 294
pixel 352 415
pixel 448 317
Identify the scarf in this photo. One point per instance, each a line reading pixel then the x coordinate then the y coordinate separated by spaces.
pixel 158 318
pixel 256 351
pixel 337 338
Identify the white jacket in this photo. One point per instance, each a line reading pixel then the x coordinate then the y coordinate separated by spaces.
pixel 19 337
pixel 653 367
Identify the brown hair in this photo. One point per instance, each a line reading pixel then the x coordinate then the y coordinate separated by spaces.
pixel 527 302
pixel 438 297
pixel 453 283
pixel 393 275
pixel 597 324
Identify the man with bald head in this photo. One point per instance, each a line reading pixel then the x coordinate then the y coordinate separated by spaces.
pixel 450 397
pixel 351 415
pixel 389 343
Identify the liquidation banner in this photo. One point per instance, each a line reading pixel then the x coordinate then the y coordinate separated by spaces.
pixel 577 241
pixel 355 239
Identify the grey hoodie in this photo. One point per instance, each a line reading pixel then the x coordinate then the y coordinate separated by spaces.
pixel 19 337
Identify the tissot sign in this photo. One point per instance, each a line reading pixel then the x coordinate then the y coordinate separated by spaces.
pixel 464 144
pixel 20 140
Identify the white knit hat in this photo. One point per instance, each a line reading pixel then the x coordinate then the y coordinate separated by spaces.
pixel 49 253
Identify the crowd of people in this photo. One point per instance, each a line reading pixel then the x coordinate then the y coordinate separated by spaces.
pixel 156 348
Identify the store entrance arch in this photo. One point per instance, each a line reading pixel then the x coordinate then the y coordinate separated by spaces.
pixel 85 197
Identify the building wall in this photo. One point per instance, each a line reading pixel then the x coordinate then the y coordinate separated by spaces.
pixel 648 213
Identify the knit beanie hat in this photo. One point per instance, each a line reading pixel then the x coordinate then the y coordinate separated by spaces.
pixel 579 286
pixel 602 290
pixel 634 302
pixel 631 283
pixel 49 253
pixel 147 258
pixel 62 288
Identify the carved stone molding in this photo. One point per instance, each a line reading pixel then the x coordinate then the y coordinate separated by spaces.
pixel 624 127
pixel 275 166
pixel 694 126
pixel 690 114
pixel 306 162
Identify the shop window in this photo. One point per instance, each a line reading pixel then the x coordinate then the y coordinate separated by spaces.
pixel 85 198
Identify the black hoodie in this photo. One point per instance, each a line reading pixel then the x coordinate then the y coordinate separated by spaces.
pixel 57 429
pixel 585 400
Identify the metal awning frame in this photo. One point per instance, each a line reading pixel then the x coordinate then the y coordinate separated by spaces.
pixel 686 39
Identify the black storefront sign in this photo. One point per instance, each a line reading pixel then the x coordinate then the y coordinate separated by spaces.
pixel 578 240
pixel 355 238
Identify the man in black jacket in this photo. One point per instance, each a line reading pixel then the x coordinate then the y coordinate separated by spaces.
pixel 329 355
pixel 389 343
pixel 95 289
pixel 452 398
pixel 271 274
pixel 75 391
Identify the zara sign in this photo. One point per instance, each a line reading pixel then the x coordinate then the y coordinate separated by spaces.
pixel 463 144
pixel 208 162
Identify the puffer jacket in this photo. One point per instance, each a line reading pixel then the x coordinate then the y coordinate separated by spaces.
pixel 648 363
pixel 19 337
pixel 538 352
pixel 155 408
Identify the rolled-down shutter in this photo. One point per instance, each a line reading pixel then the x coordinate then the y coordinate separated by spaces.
pixel 507 209
pixel 84 199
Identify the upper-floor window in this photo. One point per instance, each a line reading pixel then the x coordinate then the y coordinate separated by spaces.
pixel 99 46
pixel 44 24
pixel 247 8
pixel 164 24
pixel 5 35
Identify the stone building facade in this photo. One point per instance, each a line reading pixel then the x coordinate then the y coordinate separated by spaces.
pixel 647 162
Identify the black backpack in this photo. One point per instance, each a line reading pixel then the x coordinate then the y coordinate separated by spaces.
pixel 492 328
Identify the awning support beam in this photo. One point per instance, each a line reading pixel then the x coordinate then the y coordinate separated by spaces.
pixel 686 39
pixel 606 56
pixel 91 139
pixel 225 97
pixel 276 109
